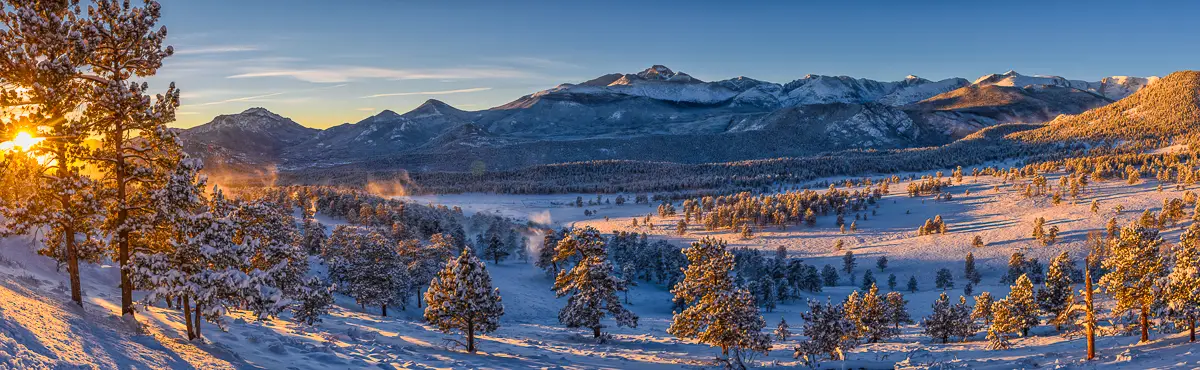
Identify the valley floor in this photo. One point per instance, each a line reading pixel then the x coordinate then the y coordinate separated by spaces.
pixel 39 329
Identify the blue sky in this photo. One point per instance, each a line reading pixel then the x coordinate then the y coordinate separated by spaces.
pixel 323 63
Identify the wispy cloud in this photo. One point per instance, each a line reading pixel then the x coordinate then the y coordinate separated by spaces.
pixel 263 97
pixel 443 92
pixel 216 49
pixel 350 73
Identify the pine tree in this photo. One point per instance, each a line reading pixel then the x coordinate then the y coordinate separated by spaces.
pixel 940 324
pixel 1056 298
pixel 314 236
pixel 1016 267
pixel 1135 269
pixel 881 263
pixel 591 284
pixel 969 270
pixel 362 265
pixel 1004 324
pixel 897 310
pixel 983 308
pixel 945 279
pixel 769 295
pixel 868 280
pixel 495 249
pixel 829 334
pixel 314 301
pixel 782 331
pixel 461 298
pixel 1021 305
pixel 1039 231
pixel 848 263
pixel 871 316
pixel 545 259
pixel 681 227
pixel 891 282
pixel 829 275
pixel 912 284
pixel 1182 291
pixel 40 73
pixel 137 148
pixel 717 313
pixel 977 241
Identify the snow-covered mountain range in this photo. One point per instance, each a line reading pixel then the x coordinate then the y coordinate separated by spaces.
pixel 662 114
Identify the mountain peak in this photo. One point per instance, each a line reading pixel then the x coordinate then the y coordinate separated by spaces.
pixel 259 111
pixel 657 72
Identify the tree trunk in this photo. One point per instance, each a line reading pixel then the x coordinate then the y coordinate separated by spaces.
pixel 1091 314
pixel 1192 329
pixel 198 322
pixel 384 310
pixel 72 261
pixel 418 297
pixel 596 332
pixel 1145 320
pixel 470 337
pixel 187 315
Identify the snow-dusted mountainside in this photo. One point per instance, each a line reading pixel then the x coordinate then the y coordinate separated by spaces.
pixel 253 136
pixel 1115 87
pixel 647 114
pixel 386 132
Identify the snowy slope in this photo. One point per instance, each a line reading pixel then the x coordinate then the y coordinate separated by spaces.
pixel 1114 88
pixel 38 330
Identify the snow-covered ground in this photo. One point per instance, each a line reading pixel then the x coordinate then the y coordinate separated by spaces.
pixel 39 329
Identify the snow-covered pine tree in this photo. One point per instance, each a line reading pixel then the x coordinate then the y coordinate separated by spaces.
pixel 896 308
pixel 964 327
pixel 591 284
pixel 545 257
pixel 717 313
pixel 425 261
pixel 940 324
pixel 314 301
pixel 871 317
pixel 137 146
pixel 983 308
pixel 1182 291
pixel 461 298
pixel 278 263
pixel 364 266
pixel 782 331
pixel 1021 306
pixel 314 236
pixel 912 284
pixel 829 333
pixel 40 69
pixel 1004 325
pixel 1135 270
pixel 1055 299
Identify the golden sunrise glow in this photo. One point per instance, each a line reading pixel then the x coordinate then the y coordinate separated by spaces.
pixel 23 142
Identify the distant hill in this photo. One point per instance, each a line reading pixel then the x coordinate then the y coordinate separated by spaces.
pixel 1166 110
